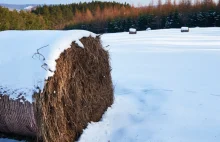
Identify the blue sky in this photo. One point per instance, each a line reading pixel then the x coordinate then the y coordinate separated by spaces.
pixel 66 1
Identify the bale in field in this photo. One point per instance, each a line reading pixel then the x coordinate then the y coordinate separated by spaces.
pixel 132 31
pixel 80 91
pixel 184 29
pixel 17 117
pixel 148 29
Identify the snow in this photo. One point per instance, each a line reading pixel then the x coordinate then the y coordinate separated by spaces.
pixel 132 30
pixel 28 7
pixel 166 83
pixel 184 28
pixel 20 64
pixel 7 140
pixel 166 88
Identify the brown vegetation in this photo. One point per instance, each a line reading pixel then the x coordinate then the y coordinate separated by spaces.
pixel 79 92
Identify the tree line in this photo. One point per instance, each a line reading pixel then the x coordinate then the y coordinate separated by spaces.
pixel 14 20
pixel 101 17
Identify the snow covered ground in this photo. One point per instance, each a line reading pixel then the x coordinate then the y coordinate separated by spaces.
pixel 166 87
pixel 7 140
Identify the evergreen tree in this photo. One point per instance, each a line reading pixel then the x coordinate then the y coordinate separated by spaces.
pixel 175 20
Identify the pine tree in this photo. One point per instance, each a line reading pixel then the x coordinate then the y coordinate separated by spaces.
pixel 176 20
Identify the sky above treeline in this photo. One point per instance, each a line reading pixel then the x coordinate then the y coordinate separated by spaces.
pixel 135 2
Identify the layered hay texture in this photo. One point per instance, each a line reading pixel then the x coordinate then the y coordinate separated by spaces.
pixel 80 91
pixel 17 117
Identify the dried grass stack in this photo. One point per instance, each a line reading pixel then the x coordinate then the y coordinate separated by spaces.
pixel 132 31
pixel 79 92
pixel 17 117
pixel 184 29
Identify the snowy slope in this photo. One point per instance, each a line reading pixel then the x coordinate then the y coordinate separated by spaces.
pixel 29 8
pixel 19 7
pixel 166 88
pixel 21 69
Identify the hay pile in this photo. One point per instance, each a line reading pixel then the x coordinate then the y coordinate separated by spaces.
pixel 80 91
pixel 17 117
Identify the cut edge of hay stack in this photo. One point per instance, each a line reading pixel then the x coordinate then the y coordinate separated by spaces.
pixel 80 91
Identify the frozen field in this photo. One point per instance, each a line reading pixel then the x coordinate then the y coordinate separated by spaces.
pixel 167 87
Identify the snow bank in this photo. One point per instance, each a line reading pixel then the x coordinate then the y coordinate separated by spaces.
pixel 22 63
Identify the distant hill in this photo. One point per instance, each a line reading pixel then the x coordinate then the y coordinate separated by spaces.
pixel 19 7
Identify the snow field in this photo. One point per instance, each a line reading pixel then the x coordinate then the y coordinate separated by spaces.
pixel 166 87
